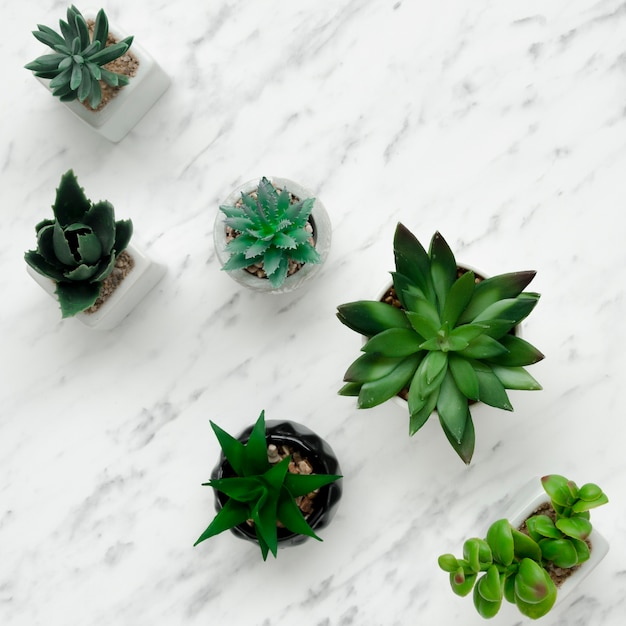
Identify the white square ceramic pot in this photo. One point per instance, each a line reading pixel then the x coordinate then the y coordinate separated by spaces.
pixel 144 275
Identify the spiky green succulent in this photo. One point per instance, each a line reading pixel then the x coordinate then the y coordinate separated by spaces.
pixel 270 229
pixel 78 248
pixel 509 564
pixel 76 65
pixel 260 491
pixel 449 344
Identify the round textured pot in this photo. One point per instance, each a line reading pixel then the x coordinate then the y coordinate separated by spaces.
pixel 131 103
pixel 322 233
pixel 321 457
pixel 525 502
pixel 144 275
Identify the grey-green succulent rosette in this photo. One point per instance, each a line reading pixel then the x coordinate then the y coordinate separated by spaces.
pixel 76 65
pixel 78 248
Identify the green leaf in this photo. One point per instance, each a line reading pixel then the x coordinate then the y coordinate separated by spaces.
pixel 412 260
pixel 101 28
pixel 422 325
pixel 524 546
pixel 70 204
pixel 464 448
pixel 458 298
pixel 230 515
pixel 302 484
pixel 448 563
pixel 467 332
pixel 271 259
pixel 452 407
pixel 484 607
pixel 515 378
pixel 490 389
pixel 560 551
pixel 520 352
pixel 350 389
pixel 464 376
pixel 277 277
pixel 305 253
pixel 291 517
pixel 43 266
pixel 100 218
pixel 500 540
pixel 256 249
pixel 371 317
pixel 512 309
pixel 241 489
pixel 461 582
pixel 284 241
pixel 493 289
pixel 558 488
pixel 483 347
pixel 77 76
pixel 586 505
pixel 394 342
pixel 81 273
pixel 490 588
pixel 477 553
pixel 420 410
pixel 76 297
pixel 430 373
pixel 377 391
pixel 590 492
pixel 442 268
pixel 540 526
pixel 110 53
pixel 371 366
pixel 254 458
pixel 576 527
pixel 534 582
pixel 420 307
pixel 233 449
pixel 89 248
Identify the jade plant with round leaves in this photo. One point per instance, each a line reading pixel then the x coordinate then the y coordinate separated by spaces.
pixel 76 65
pixel 512 565
pixel 78 248
pixel 261 491
pixel 449 343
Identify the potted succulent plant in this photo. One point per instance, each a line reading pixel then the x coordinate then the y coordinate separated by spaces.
pixel 84 257
pixel 275 484
pixel 442 337
pixel 93 72
pixel 272 235
pixel 541 554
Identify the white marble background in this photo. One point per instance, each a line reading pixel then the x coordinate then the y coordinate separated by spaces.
pixel 501 124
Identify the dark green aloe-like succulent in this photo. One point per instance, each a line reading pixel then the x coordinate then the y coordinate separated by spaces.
pixel 270 230
pixel 79 247
pixel 261 491
pixel 76 65
pixel 509 564
pixel 448 344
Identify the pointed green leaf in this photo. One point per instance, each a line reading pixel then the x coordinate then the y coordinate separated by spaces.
pixel 421 409
pixel 524 546
pixel 371 317
pixel 442 268
pixel 230 515
pixel 515 378
pixel 464 448
pixel 377 391
pixel 464 376
pixel 71 203
pixel 422 325
pixel 302 484
pixel 483 347
pixel 394 342
pixel 291 517
pixel 493 289
pixel 452 408
pixel 76 297
pixel 412 260
pixel 458 298
pixel 520 352
pixel 490 389
pixel 232 448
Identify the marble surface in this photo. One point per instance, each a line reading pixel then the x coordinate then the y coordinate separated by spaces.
pixel 501 124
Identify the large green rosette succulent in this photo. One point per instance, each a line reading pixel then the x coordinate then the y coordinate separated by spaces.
pixel 79 247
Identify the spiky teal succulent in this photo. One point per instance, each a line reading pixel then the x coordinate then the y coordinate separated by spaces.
pixel 76 65
pixel 79 247
pixel 514 566
pixel 271 228
pixel 261 491
pixel 448 344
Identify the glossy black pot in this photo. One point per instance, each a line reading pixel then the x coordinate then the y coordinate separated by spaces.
pixel 321 457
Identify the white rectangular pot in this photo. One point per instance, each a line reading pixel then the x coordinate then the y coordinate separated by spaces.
pixel 144 275
pixel 131 103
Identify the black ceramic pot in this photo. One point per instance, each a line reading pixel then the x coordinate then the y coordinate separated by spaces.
pixel 321 457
